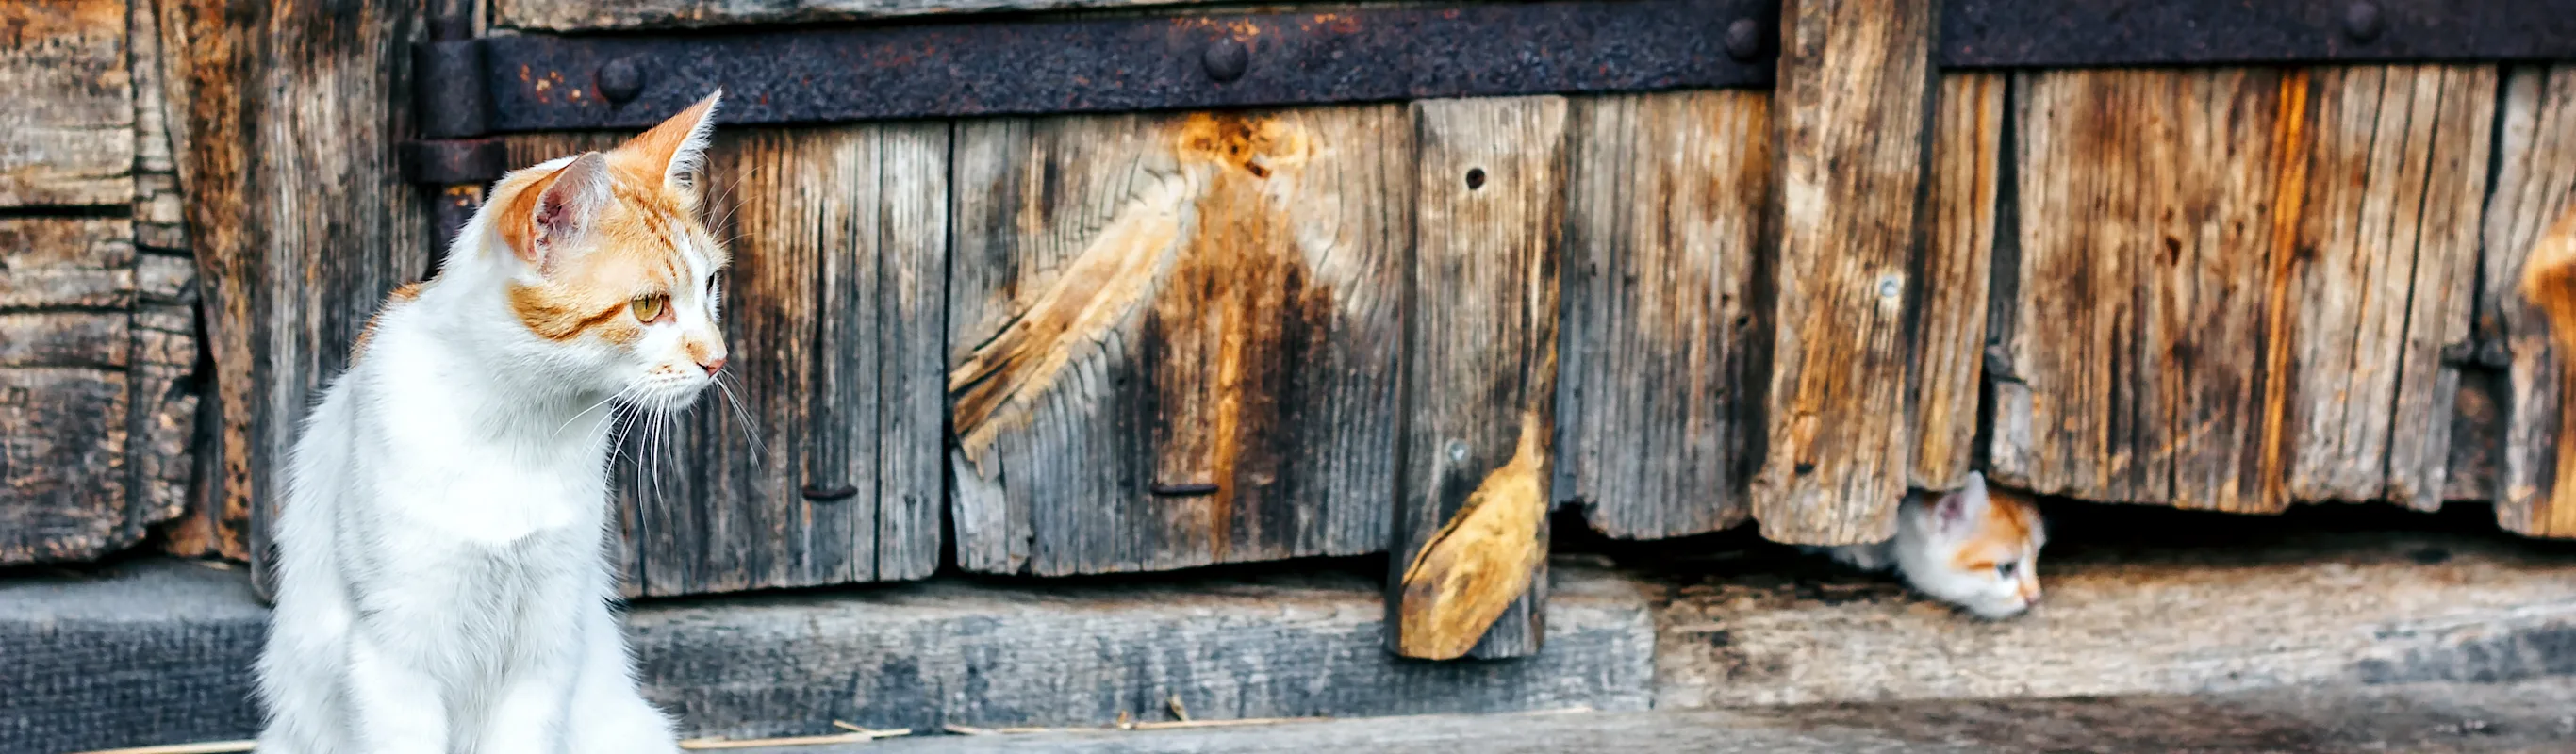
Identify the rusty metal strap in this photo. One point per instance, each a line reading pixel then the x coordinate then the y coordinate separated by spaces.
pixel 974 67
pixel 2094 33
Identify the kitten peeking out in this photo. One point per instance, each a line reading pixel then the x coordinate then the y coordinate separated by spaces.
pixel 1974 548
pixel 442 576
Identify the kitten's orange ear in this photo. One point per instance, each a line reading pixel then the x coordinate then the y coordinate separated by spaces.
pixel 676 148
pixel 567 204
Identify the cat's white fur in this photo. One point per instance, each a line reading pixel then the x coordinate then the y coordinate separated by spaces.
pixel 442 583
pixel 1930 535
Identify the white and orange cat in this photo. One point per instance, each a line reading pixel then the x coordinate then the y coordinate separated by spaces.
pixel 442 581
pixel 1975 548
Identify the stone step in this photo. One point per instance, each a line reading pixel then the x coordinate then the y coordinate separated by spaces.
pixel 158 651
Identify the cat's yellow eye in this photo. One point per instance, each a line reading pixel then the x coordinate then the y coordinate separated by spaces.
pixel 648 308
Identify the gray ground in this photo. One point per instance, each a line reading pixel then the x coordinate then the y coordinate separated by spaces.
pixel 2531 716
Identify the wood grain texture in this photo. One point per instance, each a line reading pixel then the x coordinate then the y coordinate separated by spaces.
pixel 578 15
pixel 162 427
pixel 2234 286
pixel 297 212
pixel 1854 85
pixel 1954 270
pixel 1204 304
pixel 1658 405
pixel 67 136
pixel 2534 184
pixel 65 349
pixel 1480 376
pixel 2387 273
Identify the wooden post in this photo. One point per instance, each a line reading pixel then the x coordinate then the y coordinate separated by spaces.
pixel 1855 80
pixel 1470 550
pixel 2531 248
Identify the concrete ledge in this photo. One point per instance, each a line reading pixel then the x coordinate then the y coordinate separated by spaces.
pixel 2371 608
pixel 159 652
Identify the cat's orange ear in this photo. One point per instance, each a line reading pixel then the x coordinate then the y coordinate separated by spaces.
pixel 566 206
pixel 675 149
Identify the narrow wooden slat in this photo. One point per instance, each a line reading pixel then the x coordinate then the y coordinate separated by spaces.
pixel 69 262
pixel 2235 287
pixel 1950 339
pixel 1658 405
pixel 67 137
pixel 2534 183
pixel 298 211
pixel 1469 555
pixel 910 329
pixel 1849 109
pixel 162 425
pixel 1199 304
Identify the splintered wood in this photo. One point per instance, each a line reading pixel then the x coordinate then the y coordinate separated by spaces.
pixel 2530 265
pixel 1852 93
pixel 1956 265
pixel 1471 528
pixel 2234 286
pixel 1660 402
pixel 1174 337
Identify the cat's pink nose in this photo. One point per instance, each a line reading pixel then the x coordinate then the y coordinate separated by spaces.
pixel 713 364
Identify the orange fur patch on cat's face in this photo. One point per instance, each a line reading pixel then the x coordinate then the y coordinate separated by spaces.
pixel 2002 536
pixel 637 245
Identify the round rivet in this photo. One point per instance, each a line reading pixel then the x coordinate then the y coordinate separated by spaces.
pixel 1225 59
pixel 620 80
pixel 1457 450
pixel 1889 288
pixel 1744 39
pixel 2361 20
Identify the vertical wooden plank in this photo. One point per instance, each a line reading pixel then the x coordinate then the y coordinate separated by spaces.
pixel 2534 183
pixel 1848 114
pixel 300 214
pixel 1470 549
pixel 911 330
pixel 2396 174
pixel 1665 195
pixel 1955 269
pixel 2237 286
pixel 162 425
pixel 67 137
pixel 1174 337
pixel 2154 227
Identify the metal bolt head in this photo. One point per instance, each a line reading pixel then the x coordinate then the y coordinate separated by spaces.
pixel 1225 59
pixel 2361 20
pixel 1458 450
pixel 1889 287
pixel 1744 39
pixel 620 80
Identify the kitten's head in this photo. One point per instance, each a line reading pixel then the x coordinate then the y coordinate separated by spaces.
pixel 1974 548
pixel 612 268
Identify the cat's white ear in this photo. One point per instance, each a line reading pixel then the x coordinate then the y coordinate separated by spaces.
pixel 677 148
pixel 566 210
pixel 1958 512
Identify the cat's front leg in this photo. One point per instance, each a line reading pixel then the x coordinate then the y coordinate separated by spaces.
pixel 396 707
pixel 609 714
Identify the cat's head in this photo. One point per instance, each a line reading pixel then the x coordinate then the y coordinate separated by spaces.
pixel 1975 548
pixel 609 266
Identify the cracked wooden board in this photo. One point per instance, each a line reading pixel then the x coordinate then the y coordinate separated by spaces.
pixel 1468 575
pixel 2234 286
pixel 2525 221
pixel 1174 337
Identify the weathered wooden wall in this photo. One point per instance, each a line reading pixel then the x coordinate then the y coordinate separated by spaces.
pixel 2233 287
pixel 97 318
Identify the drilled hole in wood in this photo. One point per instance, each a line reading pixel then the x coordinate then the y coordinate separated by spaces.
pixel 1475 178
